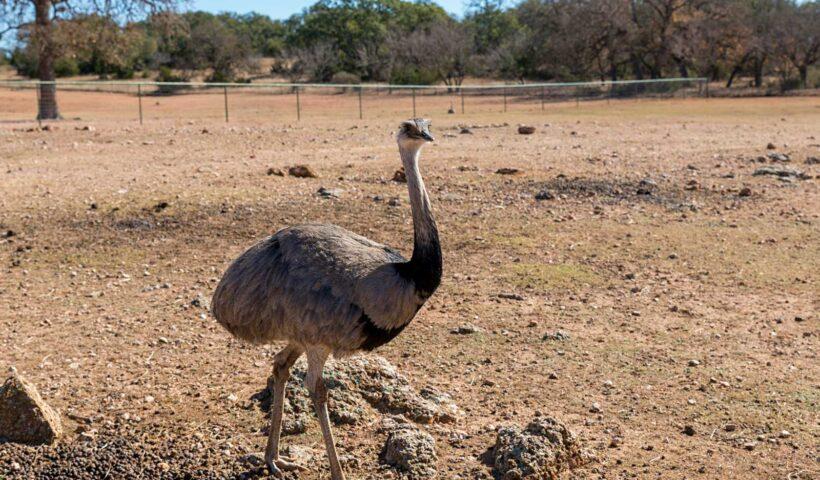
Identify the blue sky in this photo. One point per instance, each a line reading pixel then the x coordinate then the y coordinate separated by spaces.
pixel 284 9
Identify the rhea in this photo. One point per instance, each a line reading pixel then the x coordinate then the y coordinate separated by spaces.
pixel 325 290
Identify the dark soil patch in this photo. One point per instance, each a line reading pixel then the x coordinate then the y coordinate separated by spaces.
pixel 617 191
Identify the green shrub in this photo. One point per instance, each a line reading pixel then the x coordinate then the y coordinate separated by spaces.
pixel 66 67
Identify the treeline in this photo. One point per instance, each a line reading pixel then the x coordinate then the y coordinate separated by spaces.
pixel 397 41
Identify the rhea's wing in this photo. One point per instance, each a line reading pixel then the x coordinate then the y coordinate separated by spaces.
pixel 311 284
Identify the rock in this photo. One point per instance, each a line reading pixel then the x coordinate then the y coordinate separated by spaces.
pixel 507 171
pixel 412 451
pixel 301 171
pixel 276 171
pixel 749 445
pixel 400 176
pixel 356 386
pixel 784 172
pixel 778 157
pixel 745 192
pixel 558 336
pixel 466 329
pixel 541 451
pixel 595 408
pixel 648 182
pixel 544 195
pixel 394 201
pixel 329 192
pixel 161 206
pixel 466 131
pixel 770 146
pixel 689 430
pixel 24 416
pixel 812 161
pixel 526 129
pixel 451 110
pixel 694 363
pixel 511 296
pixel 200 301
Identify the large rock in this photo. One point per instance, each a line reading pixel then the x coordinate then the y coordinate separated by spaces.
pixel 412 451
pixel 24 416
pixel 541 451
pixel 358 385
pixel 302 171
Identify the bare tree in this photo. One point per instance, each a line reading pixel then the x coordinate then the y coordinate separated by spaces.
pixel 39 18
pixel 318 62
pixel 798 31
pixel 443 49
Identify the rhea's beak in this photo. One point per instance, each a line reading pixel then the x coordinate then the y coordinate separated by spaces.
pixel 427 136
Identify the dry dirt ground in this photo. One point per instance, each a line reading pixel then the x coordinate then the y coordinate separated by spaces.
pixel 688 314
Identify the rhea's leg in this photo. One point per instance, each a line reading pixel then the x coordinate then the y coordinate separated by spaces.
pixel 281 372
pixel 318 392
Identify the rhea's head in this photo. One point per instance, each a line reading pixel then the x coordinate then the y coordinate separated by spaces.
pixel 414 133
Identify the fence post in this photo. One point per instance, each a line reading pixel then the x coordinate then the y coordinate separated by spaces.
pixel 577 98
pixel 461 91
pixel 225 92
pixel 298 106
pixel 414 103
pixel 139 99
pixel 542 98
pixel 505 98
pixel 360 103
pixel 37 89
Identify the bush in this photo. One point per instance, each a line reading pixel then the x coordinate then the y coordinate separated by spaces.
pixel 408 75
pixel 346 78
pixel 789 84
pixel 168 75
pixel 66 67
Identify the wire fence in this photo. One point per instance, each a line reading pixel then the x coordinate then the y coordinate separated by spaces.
pixel 146 101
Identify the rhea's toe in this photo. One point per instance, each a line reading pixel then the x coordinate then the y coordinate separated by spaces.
pixel 274 470
pixel 287 465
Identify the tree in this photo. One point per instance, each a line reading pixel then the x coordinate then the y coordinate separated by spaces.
pixel 798 30
pixel 443 50
pixel 40 18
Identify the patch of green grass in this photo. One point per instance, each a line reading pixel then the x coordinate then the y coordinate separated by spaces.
pixel 545 276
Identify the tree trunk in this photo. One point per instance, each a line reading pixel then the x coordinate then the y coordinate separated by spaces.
pixel 732 75
pixel 758 66
pixel 804 73
pixel 47 106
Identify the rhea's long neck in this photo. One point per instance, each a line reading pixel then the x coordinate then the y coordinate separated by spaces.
pixel 425 263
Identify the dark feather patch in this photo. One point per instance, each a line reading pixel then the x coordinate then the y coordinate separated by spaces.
pixel 375 336
pixel 425 266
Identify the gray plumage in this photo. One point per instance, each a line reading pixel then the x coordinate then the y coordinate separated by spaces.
pixel 323 290
pixel 310 285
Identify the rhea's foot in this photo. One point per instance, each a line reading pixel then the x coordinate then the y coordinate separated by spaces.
pixel 278 466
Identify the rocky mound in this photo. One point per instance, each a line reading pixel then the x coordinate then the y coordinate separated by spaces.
pixel 355 387
pixel 541 451
pixel 412 451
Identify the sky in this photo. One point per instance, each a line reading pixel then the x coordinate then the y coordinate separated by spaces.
pixel 281 9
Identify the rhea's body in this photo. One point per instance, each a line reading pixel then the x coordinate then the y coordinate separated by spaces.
pixel 320 284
